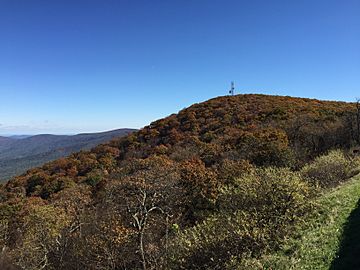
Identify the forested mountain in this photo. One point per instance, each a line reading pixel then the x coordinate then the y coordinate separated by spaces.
pixel 5 141
pixel 19 154
pixel 202 189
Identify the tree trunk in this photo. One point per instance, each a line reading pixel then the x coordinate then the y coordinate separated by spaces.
pixel 142 251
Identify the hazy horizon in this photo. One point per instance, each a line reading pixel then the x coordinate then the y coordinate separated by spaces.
pixel 64 134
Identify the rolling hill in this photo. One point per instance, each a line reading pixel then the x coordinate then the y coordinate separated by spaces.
pixel 5 141
pixel 20 154
pixel 215 186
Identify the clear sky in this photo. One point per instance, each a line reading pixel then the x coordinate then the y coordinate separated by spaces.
pixel 69 66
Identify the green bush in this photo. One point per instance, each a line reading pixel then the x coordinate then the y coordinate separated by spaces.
pixel 355 166
pixel 330 169
pixel 93 178
pixel 230 170
pixel 255 214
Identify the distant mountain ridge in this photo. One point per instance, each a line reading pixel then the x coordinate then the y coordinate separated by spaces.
pixel 19 136
pixel 4 140
pixel 17 154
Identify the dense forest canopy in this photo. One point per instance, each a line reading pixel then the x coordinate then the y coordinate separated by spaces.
pixel 119 205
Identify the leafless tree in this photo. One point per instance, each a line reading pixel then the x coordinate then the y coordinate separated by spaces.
pixel 146 205
pixel 146 202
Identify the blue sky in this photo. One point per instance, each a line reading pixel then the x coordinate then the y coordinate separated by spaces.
pixel 92 65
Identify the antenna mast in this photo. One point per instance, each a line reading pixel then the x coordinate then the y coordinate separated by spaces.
pixel 232 89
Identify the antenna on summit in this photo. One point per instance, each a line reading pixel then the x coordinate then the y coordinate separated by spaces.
pixel 232 89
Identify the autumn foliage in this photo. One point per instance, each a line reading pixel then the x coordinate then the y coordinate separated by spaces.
pixel 122 204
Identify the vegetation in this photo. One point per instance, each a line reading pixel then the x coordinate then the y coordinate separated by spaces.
pixel 20 153
pixel 328 240
pixel 218 185
pixel 255 213
pixel 331 169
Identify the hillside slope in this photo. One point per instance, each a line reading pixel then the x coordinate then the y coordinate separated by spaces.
pixel 131 197
pixel 19 155
pixel 265 130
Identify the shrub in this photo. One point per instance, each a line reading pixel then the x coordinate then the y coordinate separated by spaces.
pixel 278 195
pixel 330 169
pixel 35 183
pixel 38 229
pixel 355 166
pixel 256 213
pixel 201 187
pixel 266 147
pixel 229 170
pixel 93 178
